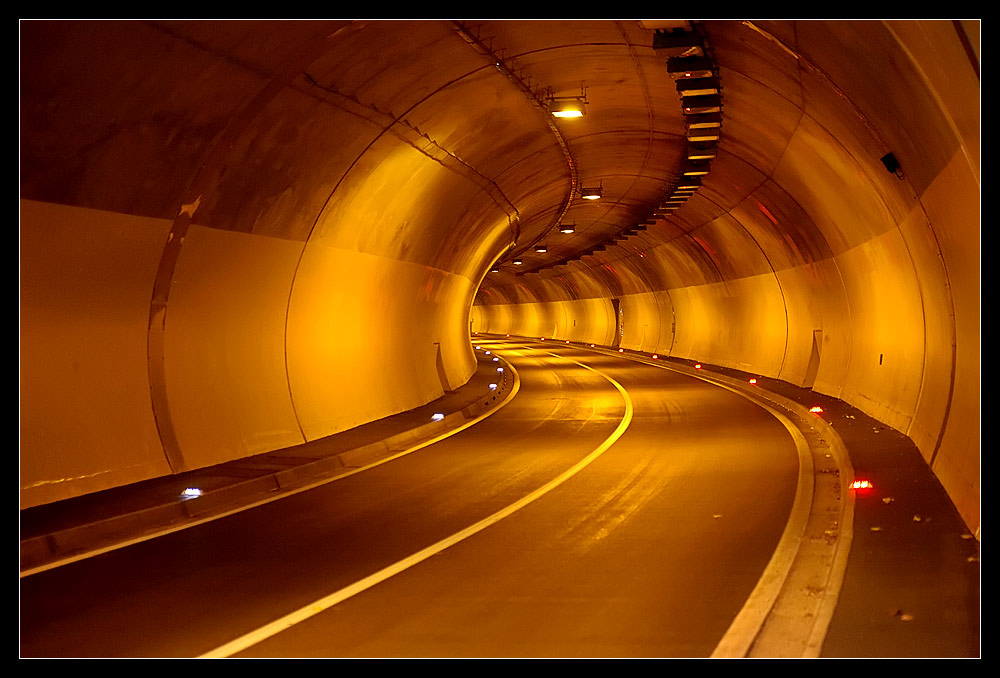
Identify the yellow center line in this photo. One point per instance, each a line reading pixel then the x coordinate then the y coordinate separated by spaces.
pixel 300 615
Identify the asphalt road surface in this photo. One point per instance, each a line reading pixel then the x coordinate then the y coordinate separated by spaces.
pixel 610 509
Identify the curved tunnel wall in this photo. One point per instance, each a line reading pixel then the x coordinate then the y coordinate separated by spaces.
pixel 208 274
pixel 802 258
pixel 229 246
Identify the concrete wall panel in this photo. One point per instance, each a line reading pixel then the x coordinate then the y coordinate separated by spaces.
pixel 225 346
pixel 887 330
pixel 352 324
pixel 647 322
pixel 86 420
pixel 817 351
pixel 955 219
pixel 739 324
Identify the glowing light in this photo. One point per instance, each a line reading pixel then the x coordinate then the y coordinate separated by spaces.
pixel 621 350
pixel 568 107
pixel 191 493
pixel 698 366
pixel 816 409
pixel 487 353
pixel 703 136
pixel 499 369
pixel 862 485
pixel 495 359
pixel 437 416
pixel 655 356
pixel 493 387
pixel 752 380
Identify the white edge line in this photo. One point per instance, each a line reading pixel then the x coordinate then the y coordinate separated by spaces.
pixel 747 625
pixel 343 594
pixel 745 628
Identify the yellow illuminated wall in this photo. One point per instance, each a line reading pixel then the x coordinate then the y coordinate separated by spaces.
pixel 832 273
pixel 345 202
pixel 86 422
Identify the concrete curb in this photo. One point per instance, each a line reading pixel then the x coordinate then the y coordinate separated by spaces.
pixel 48 550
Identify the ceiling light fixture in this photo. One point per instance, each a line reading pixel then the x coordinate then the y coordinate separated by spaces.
pixel 696 169
pixel 567 228
pixel 710 103
pixel 690 67
pixel 703 121
pixel 592 193
pixel 677 40
pixel 570 106
pixel 703 135
pixel 701 152
pixel 689 87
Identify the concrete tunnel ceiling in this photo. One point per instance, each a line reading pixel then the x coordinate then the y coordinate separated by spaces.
pixel 237 236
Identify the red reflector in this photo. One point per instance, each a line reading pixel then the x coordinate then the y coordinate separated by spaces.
pixel 862 485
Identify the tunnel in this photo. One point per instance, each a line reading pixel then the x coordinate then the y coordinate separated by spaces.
pixel 238 237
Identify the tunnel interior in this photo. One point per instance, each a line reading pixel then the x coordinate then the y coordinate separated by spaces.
pixel 238 236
